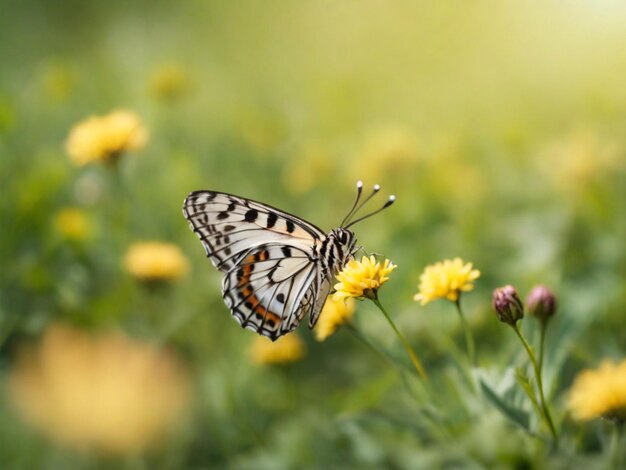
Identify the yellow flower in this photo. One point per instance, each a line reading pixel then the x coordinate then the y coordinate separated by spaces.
pixel 363 278
pixel 600 393
pixel 169 82
pixel 580 158
pixel 104 393
pixel 155 261
pixel 334 314
pixel 105 138
pixel 288 348
pixel 72 223
pixel 446 279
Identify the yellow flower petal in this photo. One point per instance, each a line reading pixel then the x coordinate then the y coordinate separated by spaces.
pixel 288 348
pixel 363 278
pixel 600 393
pixel 100 392
pixel 106 138
pixel 336 312
pixel 155 261
pixel 446 279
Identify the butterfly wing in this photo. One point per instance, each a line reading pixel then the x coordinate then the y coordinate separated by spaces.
pixel 229 225
pixel 271 278
pixel 271 288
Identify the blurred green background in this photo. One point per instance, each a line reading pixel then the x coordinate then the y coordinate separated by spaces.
pixel 500 127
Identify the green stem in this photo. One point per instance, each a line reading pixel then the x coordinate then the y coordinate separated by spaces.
pixel 401 368
pixel 544 325
pixel 469 338
pixel 416 362
pixel 533 360
pixel 616 451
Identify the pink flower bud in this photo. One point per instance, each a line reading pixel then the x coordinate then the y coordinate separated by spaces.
pixel 507 304
pixel 541 303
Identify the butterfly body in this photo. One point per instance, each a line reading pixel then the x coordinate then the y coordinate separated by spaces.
pixel 277 267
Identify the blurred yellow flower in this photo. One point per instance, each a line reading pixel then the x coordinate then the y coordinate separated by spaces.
pixel 169 82
pixel 73 224
pixel 334 314
pixel 600 393
pixel 446 279
pixel 106 138
pixel 288 348
pixel 363 278
pixel 155 261
pixel 580 158
pixel 104 393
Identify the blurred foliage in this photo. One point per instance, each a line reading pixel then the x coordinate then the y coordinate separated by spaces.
pixel 500 126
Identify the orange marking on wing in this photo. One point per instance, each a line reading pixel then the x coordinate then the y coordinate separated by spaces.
pixel 269 316
pixel 256 307
pixel 247 271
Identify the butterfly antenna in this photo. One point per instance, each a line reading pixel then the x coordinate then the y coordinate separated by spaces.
pixel 372 194
pixel 389 202
pixel 359 190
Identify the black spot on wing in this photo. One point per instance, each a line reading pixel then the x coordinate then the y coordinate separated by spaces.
pixel 251 215
pixel 271 219
pixel 290 226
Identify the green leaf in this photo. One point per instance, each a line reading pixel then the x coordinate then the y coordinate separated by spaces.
pixel 524 381
pixel 518 416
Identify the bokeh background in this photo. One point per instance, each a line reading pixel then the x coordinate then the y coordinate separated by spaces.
pixel 500 127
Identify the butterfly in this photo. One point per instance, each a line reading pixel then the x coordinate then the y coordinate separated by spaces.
pixel 277 267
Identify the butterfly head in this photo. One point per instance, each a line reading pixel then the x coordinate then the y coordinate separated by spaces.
pixel 343 245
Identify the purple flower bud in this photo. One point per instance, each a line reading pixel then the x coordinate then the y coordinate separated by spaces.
pixel 507 304
pixel 541 303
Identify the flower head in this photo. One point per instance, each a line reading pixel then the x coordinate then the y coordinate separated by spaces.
pixel 446 279
pixel 600 393
pixel 72 224
pixel 105 138
pixel 334 314
pixel 541 303
pixel 155 261
pixel 288 348
pixel 507 304
pixel 363 278
pixel 105 392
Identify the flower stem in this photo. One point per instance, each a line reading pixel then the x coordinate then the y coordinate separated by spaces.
pixel 533 360
pixel 416 362
pixel 469 338
pixel 542 342
pixel 616 451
